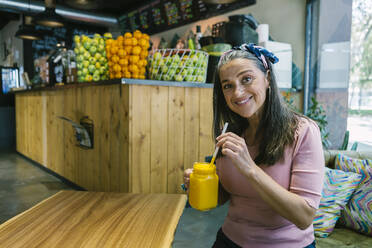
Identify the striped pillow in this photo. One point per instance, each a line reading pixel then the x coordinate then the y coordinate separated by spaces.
pixel 358 212
pixel 338 186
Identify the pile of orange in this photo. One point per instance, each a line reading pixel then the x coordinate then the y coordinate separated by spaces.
pixel 127 55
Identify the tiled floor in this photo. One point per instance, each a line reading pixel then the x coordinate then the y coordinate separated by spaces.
pixel 23 184
pixel 198 229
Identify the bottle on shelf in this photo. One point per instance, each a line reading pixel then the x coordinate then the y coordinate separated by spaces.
pixel 57 63
pixel 71 71
pixel 197 37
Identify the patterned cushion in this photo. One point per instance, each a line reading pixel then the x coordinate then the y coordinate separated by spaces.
pixel 358 212
pixel 338 187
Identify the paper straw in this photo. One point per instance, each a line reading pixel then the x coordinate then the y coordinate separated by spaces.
pixel 217 148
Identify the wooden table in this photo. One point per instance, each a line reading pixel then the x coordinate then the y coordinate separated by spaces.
pixel 96 219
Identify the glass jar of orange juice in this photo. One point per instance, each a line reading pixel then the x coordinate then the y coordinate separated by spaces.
pixel 203 194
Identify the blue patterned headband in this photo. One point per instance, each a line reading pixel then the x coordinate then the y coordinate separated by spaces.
pixel 260 52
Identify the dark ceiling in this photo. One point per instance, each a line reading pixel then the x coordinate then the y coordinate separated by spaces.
pixel 112 8
pixel 108 7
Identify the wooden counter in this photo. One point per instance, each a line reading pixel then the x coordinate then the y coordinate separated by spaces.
pixel 145 135
pixel 96 219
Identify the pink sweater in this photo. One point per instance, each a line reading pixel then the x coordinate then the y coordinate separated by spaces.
pixel 251 222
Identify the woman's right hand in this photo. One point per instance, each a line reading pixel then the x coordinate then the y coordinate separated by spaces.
pixel 186 177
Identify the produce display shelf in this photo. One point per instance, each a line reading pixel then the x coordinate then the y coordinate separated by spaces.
pixel 118 82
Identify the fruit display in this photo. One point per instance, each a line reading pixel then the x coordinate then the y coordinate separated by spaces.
pixel 178 65
pixel 127 55
pixel 91 61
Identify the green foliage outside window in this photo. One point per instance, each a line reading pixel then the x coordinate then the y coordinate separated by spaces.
pixel 316 113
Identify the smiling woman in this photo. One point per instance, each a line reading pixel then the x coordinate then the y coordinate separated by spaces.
pixel 244 87
pixel 271 161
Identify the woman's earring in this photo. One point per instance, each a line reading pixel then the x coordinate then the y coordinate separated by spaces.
pixel 269 89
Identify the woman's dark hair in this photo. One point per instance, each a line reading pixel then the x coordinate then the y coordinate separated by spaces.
pixel 277 125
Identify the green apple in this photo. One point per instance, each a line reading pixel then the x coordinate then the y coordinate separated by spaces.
pixel 166 77
pixel 97 56
pixel 171 72
pixel 200 79
pixel 157 56
pixel 107 35
pixel 88 78
pixel 101 48
pixel 87 44
pixel 205 64
pixel 194 60
pixel 97 35
pixel 189 78
pixel 189 63
pixel 92 60
pixel 76 50
pixel 85 63
pixel 86 55
pixel 102 60
pixel 190 70
pixel 91 68
pixel 98 65
pixel 102 70
pixel 164 69
pixel 96 77
pixel 84 71
pixel 93 50
pixel 161 62
pixel 202 72
pixel 95 42
pixel 80 58
pixel 176 58
pixel 79 66
pixel 82 50
pixel 79 73
pixel 77 39
pixel 178 78
pixel 184 72
pixel 168 61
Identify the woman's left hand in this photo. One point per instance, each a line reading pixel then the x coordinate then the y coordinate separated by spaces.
pixel 236 149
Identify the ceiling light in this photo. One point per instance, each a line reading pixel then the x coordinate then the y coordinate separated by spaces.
pixel 27 31
pixel 83 4
pixel 218 1
pixel 49 17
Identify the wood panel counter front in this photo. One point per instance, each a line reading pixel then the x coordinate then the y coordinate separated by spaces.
pixel 145 135
pixel 96 219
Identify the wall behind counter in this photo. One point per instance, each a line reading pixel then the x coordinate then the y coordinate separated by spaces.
pixel 13 45
pixel 286 19
pixel 15 48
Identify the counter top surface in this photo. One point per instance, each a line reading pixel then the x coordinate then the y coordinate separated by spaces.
pixel 96 219
pixel 119 81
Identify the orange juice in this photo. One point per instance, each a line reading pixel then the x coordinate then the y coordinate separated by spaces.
pixel 203 194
